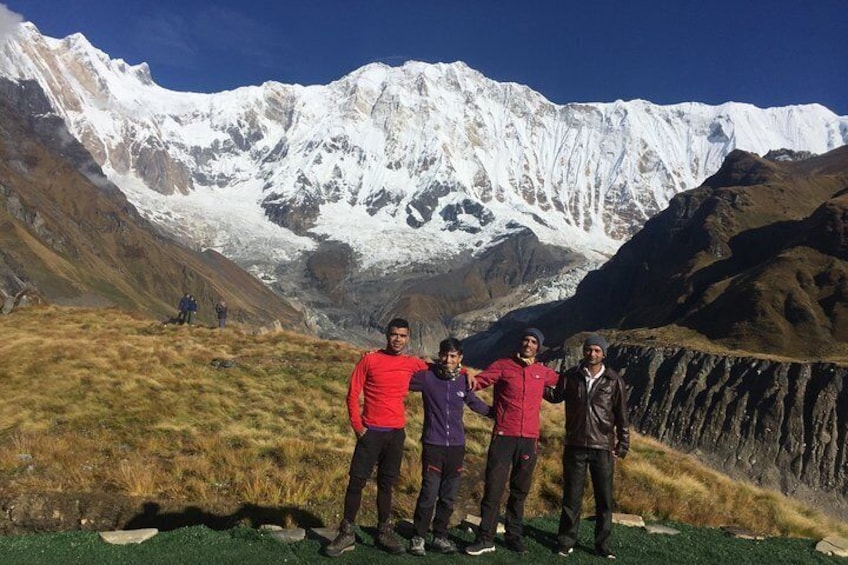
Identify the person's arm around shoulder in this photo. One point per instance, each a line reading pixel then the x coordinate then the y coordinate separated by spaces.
pixel 622 421
pixel 418 381
pixel 551 377
pixel 489 376
pixel 354 391
pixel 476 403
pixel 422 364
pixel 556 394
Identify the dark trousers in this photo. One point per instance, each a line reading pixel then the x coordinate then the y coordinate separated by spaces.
pixel 600 463
pixel 441 469
pixel 512 459
pixel 385 450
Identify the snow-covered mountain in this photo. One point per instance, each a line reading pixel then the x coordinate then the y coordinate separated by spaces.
pixel 413 169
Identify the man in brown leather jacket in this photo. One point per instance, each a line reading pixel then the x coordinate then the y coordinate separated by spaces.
pixel 596 434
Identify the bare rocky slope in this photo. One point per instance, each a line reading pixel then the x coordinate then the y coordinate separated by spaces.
pixel 432 297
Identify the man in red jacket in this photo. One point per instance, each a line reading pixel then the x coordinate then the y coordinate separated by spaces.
pixel 382 377
pixel 519 383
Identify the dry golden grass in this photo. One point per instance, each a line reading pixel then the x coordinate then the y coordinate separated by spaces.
pixel 664 484
pixel 101 401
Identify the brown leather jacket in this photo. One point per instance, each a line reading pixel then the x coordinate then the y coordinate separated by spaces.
pixel 597 419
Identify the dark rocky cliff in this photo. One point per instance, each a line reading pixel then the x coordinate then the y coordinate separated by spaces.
pixel 779 425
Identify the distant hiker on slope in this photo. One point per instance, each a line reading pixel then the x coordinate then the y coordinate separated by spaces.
pixel 445 391
pixel 221 312
pixel 519 382
pixel 192 309
pixel 597 433
pixel 183 309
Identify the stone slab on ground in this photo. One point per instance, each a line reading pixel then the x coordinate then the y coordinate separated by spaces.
pixel 124 537
pixel 472 522
pixel 323 534
pixel 630 520
pixel 661 530
pixel 742 533
pixel 833 545
pixel 288 535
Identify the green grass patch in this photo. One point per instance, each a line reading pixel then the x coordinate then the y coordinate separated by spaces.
pixel 198 544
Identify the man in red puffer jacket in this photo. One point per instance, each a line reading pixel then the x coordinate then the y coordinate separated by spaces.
pixel 381 379
pixel 519 383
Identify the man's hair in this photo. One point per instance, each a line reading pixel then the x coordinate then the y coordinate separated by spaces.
pixel 450 344
pixel 396 323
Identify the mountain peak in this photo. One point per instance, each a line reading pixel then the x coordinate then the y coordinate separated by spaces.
pixel 405 170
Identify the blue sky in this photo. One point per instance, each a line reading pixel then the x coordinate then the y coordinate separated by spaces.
pixel 767 53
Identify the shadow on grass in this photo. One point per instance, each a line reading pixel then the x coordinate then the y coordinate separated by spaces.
pixel 542 537
pixel 251 515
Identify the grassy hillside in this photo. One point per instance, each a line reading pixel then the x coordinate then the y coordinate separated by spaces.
pixel 98 401
pixel 72 235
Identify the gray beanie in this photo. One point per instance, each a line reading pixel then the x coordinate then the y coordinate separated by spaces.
pixel 595 339
pixel 540 337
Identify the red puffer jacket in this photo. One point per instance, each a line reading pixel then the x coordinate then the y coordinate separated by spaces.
pixel 383 380
pixel 518 395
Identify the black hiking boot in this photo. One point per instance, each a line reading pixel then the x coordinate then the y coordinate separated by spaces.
pixel 480 547
pixel 516 544
pixel 388 541
pixel 344 541
pixel 443 545
pixel 604 552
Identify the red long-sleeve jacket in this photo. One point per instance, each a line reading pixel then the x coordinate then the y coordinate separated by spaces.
pixel 518 395
pixel 384 379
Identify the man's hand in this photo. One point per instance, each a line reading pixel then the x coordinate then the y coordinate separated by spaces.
pixel 472 381
pixel 360 434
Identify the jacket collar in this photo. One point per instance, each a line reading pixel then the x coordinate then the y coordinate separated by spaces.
pixel 523 361
pixel 585 372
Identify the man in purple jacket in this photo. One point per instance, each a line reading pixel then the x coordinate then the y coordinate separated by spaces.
pixel 444 388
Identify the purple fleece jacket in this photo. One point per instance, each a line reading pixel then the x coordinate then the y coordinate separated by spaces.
pixel 443 403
